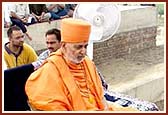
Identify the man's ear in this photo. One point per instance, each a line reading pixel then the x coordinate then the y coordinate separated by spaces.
pixel 63 44
pixel 10 38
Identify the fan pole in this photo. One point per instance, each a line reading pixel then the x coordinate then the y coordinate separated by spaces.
pixel 90 49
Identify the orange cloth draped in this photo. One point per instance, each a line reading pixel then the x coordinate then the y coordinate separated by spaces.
pixel 81 80
pixel 61 85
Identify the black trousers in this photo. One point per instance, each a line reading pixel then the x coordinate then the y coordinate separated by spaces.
pixel 15 98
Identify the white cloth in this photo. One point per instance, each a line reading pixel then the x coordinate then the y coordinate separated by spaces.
pixel 7 13
pixel 21 10
pixel 41 59
pixel 55 9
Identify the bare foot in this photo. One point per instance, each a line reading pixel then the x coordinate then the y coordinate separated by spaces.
pixel 28 36
pixel 66 16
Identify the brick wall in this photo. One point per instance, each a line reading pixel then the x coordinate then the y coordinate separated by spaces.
pixel 124 43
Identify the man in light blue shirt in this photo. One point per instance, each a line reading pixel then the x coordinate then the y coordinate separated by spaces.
pixel 53 38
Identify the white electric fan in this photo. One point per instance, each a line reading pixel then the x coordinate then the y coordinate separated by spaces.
pixel 104 20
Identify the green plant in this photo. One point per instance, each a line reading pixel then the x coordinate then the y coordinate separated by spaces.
pixel 160 9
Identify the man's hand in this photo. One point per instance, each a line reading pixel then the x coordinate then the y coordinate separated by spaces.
pixel 25 20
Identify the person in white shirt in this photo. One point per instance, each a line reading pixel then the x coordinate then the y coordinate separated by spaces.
pixel 7 20
pixel 57 11
pixel 20 16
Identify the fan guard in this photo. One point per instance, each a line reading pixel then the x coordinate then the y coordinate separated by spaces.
pixel 104 18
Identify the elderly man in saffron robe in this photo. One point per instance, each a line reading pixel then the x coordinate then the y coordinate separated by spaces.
pixel 68 80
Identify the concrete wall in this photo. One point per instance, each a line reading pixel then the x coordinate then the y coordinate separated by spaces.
pixel 124 43
pixel 137 17
pixel 37 31
pixel 137 31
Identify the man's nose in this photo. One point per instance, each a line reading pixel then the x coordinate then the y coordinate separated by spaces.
pixel 83 50
pixel 49 45
pixel 22 39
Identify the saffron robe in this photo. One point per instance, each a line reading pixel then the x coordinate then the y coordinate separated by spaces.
pixel 52 87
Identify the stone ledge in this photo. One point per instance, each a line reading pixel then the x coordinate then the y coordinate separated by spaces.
pixel 145 86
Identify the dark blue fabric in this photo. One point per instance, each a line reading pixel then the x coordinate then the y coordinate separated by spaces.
pixel 57 15
pixel 19 23
pixel 110 97
pixel 15 98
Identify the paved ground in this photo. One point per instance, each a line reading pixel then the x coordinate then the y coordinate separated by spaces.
pixel 121 70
